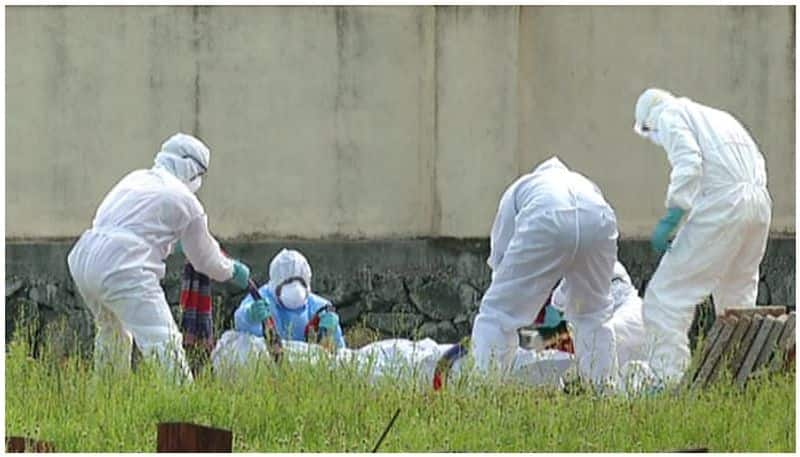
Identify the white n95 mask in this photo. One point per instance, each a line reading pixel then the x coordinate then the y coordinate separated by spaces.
pixel 194 185
pixel 293 295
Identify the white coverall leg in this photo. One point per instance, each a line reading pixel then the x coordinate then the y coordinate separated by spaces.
pixel 586 295
pixel 690 271
pixel 128 306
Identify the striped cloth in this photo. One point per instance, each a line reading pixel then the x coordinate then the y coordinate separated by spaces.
pixel 196 322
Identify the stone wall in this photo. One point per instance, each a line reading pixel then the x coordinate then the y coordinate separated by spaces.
pixel 410 288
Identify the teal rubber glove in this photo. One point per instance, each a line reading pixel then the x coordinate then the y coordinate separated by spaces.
pixel 258 311
pixel 241 274
pixel 665 228
pixel 178 248
pixel 329 322
pixel 552 317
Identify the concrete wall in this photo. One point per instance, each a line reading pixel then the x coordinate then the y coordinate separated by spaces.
pixel 375 122
pixel 584 67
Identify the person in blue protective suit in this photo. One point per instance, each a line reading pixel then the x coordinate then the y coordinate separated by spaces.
pixel 289 300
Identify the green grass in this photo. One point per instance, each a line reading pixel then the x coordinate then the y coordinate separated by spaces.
pixel 301 407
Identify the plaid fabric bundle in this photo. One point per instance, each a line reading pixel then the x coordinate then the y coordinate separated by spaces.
pixel 196 323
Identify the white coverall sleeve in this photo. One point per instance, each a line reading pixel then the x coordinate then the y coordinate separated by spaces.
pixel 684 155
pixel 502 228
pixel 203 251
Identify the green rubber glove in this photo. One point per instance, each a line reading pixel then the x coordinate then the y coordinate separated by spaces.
pixel 241 274
pixel 329 322
pixel 665 228
pixel 258 311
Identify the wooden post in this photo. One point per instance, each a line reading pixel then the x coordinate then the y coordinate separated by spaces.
pixel 740 328
pixel 715 353
pixel 708 343
pixel 732 348
pixel 754 351
pixel 186 437
pixel 744 347
pixel 770 344
pixel 785 344
pixel 24 444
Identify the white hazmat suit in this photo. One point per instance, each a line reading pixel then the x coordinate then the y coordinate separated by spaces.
pixel 118 262
pixel 551 224
pixel 719 180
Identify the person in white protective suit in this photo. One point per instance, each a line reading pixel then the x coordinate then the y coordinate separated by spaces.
pixel 719 182
pixel 552 224
pixel 118 262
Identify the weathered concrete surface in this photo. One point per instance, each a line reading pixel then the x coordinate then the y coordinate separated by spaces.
pixel 375 122
pixel 86 90
pixel 411 288
pixel 582 68
pixel 476 116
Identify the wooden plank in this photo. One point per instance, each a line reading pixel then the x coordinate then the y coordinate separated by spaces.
pixel 187 437
pixel 708 343
pixel 714 354
pixel 736 341
pixel 744 346
pixel 756 311
pixel 754 351
pixel 785 342
pixel 770 344
pixel 25 444
pixel 730 349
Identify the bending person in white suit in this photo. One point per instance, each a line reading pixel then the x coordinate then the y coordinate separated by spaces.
pixel 552 225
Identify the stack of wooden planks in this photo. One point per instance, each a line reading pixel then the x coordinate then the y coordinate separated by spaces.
pixel 745 341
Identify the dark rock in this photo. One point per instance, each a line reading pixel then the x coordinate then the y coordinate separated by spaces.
pixel 446 332
pixel 468 296
pixel 342 292
pixel 370 302
pixel 348 314
pixel 388 288
pixel 463 317
pixel 393 323
pixel 13 285
pixel 437 299
pixel 463 329
pixel 764 297
pixel 428 330
pixel 37 293
pixel 404 307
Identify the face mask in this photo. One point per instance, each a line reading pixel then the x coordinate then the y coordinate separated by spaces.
pixel 652 135
pixel 293 295
pixel 194 185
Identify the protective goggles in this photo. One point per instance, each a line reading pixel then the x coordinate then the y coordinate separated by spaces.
pixel 199 164
pixel 290 280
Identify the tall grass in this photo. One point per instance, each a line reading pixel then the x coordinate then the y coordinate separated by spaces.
pixel 305 407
